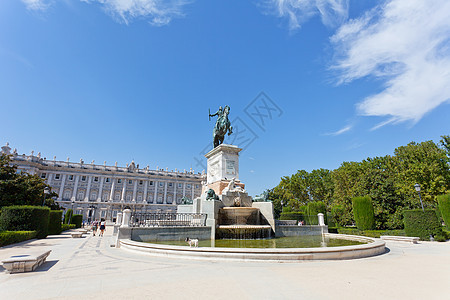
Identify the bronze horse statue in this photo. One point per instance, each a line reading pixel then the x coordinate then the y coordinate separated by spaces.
pixel 222 126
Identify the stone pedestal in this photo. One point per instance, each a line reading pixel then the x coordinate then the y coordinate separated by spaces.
pixel 223 163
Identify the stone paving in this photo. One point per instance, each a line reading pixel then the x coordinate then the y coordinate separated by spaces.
pixel 88 268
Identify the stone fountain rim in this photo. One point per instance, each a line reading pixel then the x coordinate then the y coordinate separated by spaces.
pixel 372 248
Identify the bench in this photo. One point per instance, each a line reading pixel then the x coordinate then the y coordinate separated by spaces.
pixel 411 239
pixel 25 263
pixel 82 231
pixel 76 234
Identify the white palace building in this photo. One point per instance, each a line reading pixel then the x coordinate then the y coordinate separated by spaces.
pixel 101 191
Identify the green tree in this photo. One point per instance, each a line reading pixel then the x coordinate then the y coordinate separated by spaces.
pixel 21 188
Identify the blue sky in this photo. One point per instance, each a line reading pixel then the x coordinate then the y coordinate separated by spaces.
pixel 118 80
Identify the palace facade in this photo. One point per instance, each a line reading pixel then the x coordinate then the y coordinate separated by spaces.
pixel 101 191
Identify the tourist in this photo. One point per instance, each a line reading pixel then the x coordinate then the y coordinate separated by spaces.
pixel 102 226
pixel 94 227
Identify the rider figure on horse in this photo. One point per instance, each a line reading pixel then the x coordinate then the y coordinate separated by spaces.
pixel 222 125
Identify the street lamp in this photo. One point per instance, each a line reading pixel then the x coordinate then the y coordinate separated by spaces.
pixel 417 187
pixel 46 192
pixel 73 202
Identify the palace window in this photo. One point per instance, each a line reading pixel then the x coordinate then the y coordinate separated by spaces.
pixel 117 197
pixel 141 182
pixel 71 177
pixel 83 178
pixel 130 181
pixel 66 195
pixel 119 180
pixel 105 197
pixel 44 175
pixel 96 179
pixel 128 197
pixel 107 179
pixel 161 184
pixel 196 186
pixel 188 185
pixel 80 196
pixel 57 176
pixel 151 182
pixel 170 184
pixel 94 196
pixel 139 198
pixel 180 185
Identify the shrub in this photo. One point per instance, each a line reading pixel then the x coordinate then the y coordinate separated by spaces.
pixel 315 208
pixel 363 213
pixel 298 216
pixel 68 216
pixel 371 233
pixel 26 218
pixel 337 211
pixel 444 208
pixel 422 224
pixel 65 227
pixel 54 222
pixel 77 219
pixel 12 237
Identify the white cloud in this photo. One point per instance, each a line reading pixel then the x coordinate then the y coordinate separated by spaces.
pixel 341 131
pixel 36 5
pixel 332 12
pixel 406 45
pixel 158 12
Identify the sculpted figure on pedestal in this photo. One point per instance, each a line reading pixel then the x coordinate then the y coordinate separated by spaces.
pixel 222 126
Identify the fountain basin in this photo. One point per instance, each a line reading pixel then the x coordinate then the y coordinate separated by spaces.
pixel 372 248
pixel 243 232
pixel 239 216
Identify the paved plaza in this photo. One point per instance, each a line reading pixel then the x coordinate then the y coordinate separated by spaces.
pixel 89 268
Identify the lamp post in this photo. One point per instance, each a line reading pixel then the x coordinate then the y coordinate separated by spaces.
pixel 46 192
pixel 417 187
pixel 73 202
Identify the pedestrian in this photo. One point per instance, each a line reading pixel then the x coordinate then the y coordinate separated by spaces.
pixel 102 226
pixel 94 227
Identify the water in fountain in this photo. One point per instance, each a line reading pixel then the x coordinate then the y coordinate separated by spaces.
pixel 241 223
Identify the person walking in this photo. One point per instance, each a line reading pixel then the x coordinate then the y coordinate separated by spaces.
pixel 94 227
pixel 102 226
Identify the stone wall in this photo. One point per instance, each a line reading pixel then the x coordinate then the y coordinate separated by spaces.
pixel 145 234
pixel 286 230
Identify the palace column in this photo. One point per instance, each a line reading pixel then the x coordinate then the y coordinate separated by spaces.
pixel 193 190
pixel 113 186
pixel 145 190
pixel 156 192
pixel 165 193
pixel 175 193
pixel 124 189
pixel 61 188
pixel 134 190
pixel 100 189
pixel 75 187
pixel 88 190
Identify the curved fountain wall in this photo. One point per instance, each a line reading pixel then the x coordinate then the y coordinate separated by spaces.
pixel 372 248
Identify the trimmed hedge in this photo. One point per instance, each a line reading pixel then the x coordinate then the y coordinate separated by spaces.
pixel 444 208
pixel 314 208
pixel 292 216
pixel 54 222
pixel 77 220
pixel 65 227
pixel 68 216
pixel 12 237
pixel 363 213
pixel 422 224
pixel 25 218
pixel 370 233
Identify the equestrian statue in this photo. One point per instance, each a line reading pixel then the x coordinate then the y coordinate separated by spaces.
pixel 222 126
